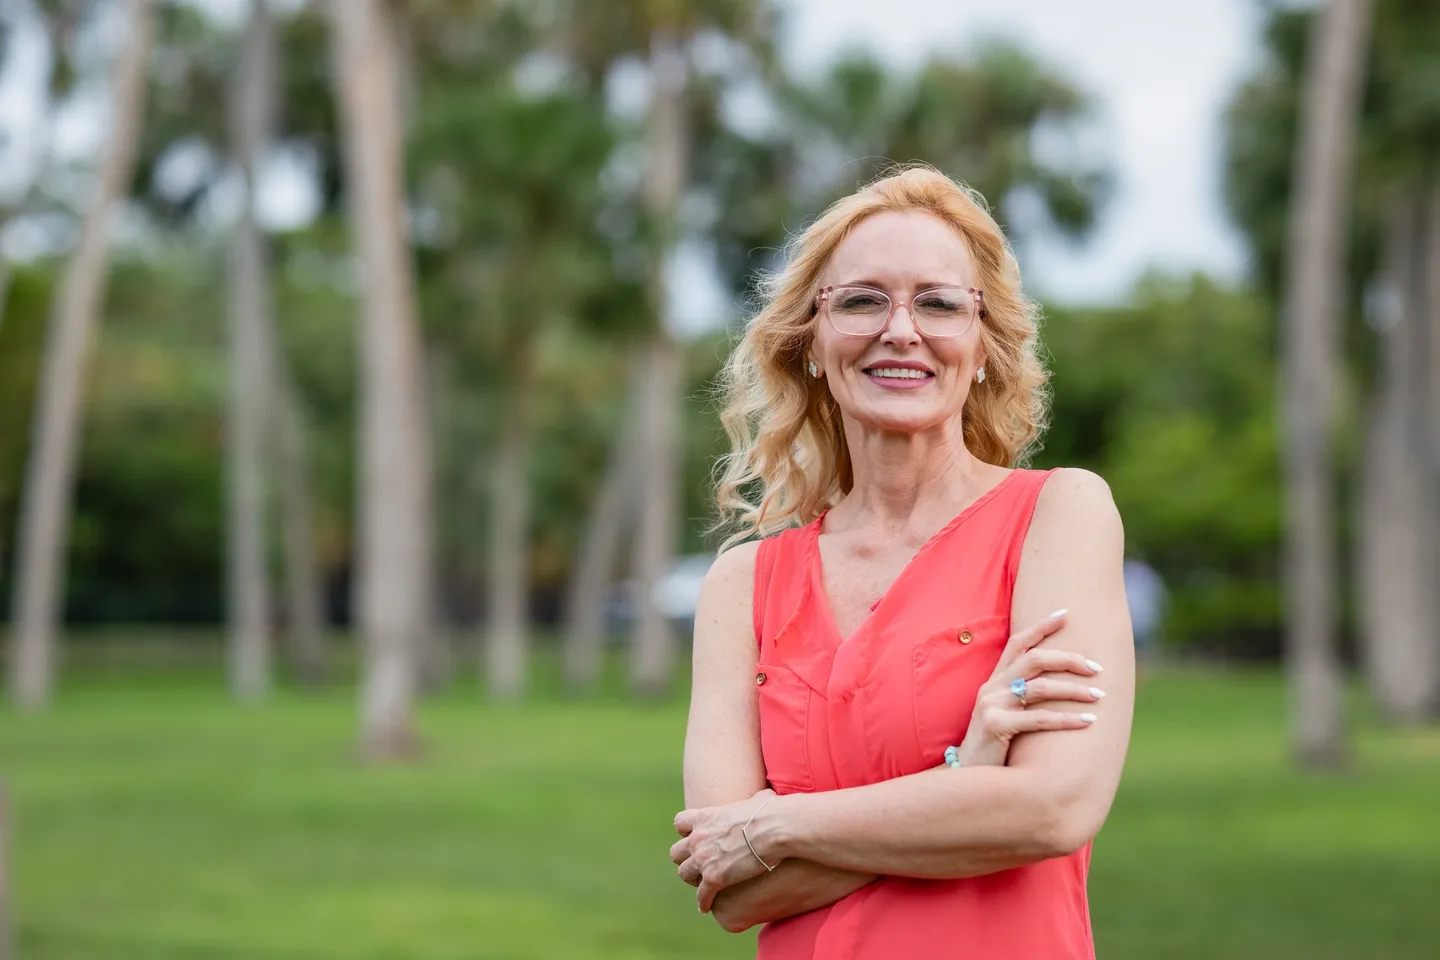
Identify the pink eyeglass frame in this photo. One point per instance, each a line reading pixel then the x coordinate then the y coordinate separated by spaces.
pixel 822 296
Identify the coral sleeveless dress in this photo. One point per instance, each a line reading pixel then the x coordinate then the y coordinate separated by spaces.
pixel 885 702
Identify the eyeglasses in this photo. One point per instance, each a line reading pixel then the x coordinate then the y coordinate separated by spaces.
pixel 939 313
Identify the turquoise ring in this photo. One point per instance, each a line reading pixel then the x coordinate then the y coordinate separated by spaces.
pixel 1017 687
pixel 952 757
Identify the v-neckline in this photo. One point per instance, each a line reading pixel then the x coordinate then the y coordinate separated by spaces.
pixel 817 563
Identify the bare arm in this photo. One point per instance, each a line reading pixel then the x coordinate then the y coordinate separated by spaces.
pixel 1056 791
pixel 722 747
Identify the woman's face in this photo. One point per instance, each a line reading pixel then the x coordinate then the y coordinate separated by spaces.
pixel 901 254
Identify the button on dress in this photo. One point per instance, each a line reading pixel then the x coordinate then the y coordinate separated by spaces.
pixel 885 702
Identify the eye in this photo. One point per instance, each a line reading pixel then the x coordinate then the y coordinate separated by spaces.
pixel 939 303
pixel 857 300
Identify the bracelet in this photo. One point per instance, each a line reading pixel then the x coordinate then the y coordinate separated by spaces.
pixel 744 833
pixel 952 758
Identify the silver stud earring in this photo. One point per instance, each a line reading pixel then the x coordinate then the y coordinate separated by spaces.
pixel 814 370
pixel 980 375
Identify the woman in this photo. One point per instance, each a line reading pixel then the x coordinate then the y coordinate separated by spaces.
pixel 875 767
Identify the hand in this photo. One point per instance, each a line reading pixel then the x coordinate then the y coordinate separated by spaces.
pixel 1000 716
pixel 712 853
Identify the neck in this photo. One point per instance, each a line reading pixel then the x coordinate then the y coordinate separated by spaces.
pixel 903 478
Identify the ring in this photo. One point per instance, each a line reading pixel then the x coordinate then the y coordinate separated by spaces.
pixel 1017 687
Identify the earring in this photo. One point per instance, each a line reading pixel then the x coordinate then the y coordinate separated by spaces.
pixel 814 370
pixel 980 375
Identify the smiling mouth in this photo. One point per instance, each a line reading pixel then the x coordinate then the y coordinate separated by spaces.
pixel 898 373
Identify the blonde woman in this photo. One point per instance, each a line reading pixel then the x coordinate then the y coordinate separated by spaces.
pixel 912 695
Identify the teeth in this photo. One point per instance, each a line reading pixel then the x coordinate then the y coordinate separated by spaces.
pixel 898 373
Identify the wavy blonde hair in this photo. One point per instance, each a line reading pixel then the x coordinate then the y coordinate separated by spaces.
pixel 789 461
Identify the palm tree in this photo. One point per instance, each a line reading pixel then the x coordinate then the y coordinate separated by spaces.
pixel 1428 403
pixel 975 120
pixel 50 473
pixel 1314 293
pixel 529 261
pixel 270 439
pixel 1394 186
pixel 599 35
pixel 251 323
pixel 591 573
pixel 395 563
pixel 305 616
pixel 652 652
pixel 1400 523
pixel 1399 532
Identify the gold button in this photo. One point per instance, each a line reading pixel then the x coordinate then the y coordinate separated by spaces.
pixel 965 636
pixel 759 679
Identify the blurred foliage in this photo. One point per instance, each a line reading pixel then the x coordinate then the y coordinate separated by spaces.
pixel 147 525
pixel 1397 160
pixel 1399 133
pixel 1172 399
pixel 530 249
pixel 986 120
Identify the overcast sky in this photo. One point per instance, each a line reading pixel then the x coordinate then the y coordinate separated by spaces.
pixel 1160 72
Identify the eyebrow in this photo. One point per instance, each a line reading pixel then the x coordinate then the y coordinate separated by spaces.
pixel 919 288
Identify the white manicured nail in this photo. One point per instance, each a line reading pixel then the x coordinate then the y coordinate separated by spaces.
pixel 1088 717
pixel 1059 613
pixel 1097 693
pixel 1094 666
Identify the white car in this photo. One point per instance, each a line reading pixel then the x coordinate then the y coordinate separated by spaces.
pixel 675 595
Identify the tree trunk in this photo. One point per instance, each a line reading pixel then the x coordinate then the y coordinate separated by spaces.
pixel 652 660
pixel 251 380
pixel 508 637
pixel 1399 530
pixel 305 615
pixel 613 509
pixel 50 472
pixel 1431 331
pixel 394 577
pixel 652 654
pixel 436 666
pixel 287 453
pixel 1428 430
pixel 1310 336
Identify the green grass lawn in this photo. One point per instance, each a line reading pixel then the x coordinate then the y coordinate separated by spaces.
pixel 154 820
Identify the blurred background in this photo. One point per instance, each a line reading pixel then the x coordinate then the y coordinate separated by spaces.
pixel 357 420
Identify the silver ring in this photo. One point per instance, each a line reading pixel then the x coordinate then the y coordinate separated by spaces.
pixel 1017 687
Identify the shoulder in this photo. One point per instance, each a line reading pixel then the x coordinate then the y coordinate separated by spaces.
pixel 1076 487
pixel 1074 501
pixel 735 564
pixel 731 578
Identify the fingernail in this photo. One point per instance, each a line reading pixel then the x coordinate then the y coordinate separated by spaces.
pixel 1094 666
pixel 1097 693
pixel 1088 717
pixel 1059 613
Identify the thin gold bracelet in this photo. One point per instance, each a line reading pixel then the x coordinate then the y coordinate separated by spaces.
pixel 744 833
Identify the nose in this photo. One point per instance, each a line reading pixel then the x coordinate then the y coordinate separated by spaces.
pixel 900 332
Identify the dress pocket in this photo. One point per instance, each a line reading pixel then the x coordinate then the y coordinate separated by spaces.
pixel 948 668
pixel 785 701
